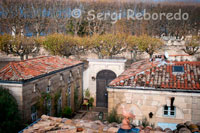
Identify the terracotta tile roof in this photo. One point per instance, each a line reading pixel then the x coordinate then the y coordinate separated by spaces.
pixel 159 74
pixel 27 69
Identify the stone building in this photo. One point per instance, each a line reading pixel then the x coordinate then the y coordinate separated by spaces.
pixel 99 74
pixel 44 85
pixel 165 92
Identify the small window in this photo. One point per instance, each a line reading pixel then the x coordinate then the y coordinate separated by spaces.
pixel 179 69
pixel 61 77
pixel 49 82
pixel 35 87
pixel 69 90
pixel 169 111
pixel 78 73
pixel 48 109
pixel 48 89
pixel 59 105
pixel 69 96
pixel 70 79
pixel 33 113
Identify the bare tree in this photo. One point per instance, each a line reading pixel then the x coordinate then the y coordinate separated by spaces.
pixel 108 45
pixel 192 45
pixel 18 45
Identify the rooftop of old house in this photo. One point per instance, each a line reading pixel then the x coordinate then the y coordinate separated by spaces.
pixel 27 69
pixel 50 124
pixel 64 125
pixel 160 74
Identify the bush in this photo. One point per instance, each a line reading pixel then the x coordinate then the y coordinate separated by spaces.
pixel 91 100
pixel 87 93
pixel 144 122
pixel 67 112
pixel 113 117
pixel 9 115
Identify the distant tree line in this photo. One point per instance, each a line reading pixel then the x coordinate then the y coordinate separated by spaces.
pixel 39 17
pixel 105 45
pixel 66 35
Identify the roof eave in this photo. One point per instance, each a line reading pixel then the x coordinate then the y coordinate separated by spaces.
pixel 153 89
pixel 40 76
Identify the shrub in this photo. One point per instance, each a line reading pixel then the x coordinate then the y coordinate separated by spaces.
pixel 87 93
pixel 91 100
pixel 67 112
pixel 113 117
pixel 9 115
pixel 144 122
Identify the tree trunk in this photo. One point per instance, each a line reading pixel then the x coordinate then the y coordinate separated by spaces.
pixel 37 34
pixel 26 56
pixel 22 57
pixel 134 54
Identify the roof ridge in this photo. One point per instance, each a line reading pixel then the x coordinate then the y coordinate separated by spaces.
pixel 39 57
pixel 23 70
pixel 5 67
pixel 36 69
pixel 15 69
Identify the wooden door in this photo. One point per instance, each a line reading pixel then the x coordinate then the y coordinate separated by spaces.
pixel 103 79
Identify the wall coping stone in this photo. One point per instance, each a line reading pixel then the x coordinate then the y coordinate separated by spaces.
pixel 108 60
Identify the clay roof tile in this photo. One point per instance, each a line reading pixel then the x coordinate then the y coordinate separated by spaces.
pixel 27 69
pixel 160 74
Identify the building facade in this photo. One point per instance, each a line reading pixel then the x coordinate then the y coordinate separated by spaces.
pixel 99 74
pixel 44 85
pixel 165 92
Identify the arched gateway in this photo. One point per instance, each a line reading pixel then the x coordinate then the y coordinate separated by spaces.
pixel 103 78
pixel 99 73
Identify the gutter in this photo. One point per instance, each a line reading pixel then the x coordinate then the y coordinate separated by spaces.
pixel 30 125
pixel 153 89
pixel 40 76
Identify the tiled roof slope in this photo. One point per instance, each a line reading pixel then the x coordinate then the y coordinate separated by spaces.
pixel 27 69
pixel 159 74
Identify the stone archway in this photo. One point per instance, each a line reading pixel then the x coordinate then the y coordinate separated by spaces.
pixel 103 78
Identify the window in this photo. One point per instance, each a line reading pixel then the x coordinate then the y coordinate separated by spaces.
pixel 33 113
pixel 169 111
pixel 48 107
pixel 61 77
pixel 48 89
pixel 59 105
pixel 70 77
pixel 69 96
pixel 35 87
pixel 78 73
pixel 178 69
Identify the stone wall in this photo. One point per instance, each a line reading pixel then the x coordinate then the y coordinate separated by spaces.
pixel 142 102
pixel 97 65
pixel 32 91
pixel 195 103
